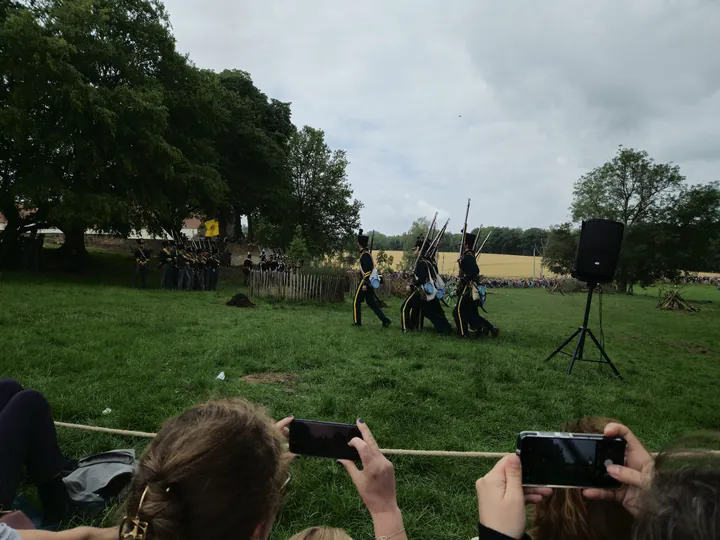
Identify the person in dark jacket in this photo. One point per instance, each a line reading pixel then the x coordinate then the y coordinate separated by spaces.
pixel 410 310
pixel 466 313
pixel 364 291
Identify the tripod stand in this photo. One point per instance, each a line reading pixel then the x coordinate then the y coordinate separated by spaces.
pixel 584 331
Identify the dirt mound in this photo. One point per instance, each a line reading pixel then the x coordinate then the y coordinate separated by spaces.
pixel 270 378
pixel 240 300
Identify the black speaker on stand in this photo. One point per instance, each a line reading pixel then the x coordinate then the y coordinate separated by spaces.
pixel 596 261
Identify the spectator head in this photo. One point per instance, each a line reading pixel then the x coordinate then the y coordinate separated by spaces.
pixel 214 472
pixel 684 498
pixel 568 515
pixel 321 533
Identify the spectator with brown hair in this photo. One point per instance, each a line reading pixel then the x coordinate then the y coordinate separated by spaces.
pixel 219 471
pixel 568 515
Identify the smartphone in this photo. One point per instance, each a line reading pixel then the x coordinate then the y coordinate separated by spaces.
pixel 569 460
pixel 323 439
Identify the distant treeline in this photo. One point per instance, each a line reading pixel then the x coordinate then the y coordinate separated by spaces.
pixel 503 240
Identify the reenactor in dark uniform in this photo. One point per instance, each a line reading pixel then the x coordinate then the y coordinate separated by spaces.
pixel 410 310
pixel 364 291
pixel 141 264
pixel 432 309
pixel 213 270
pixel 247 268
pixel 183 269
pixel 466 313
pixel 165 265
pixel 273 262
pixel 173 266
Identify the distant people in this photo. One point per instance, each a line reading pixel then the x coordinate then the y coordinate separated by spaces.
pixel 365 293
pixel 466 313
pixel 141 264
pixel 28 443
pixel 247 268
pixel 165 266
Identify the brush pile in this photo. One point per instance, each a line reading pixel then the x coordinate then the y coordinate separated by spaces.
pixel 240 300
pixel 672 300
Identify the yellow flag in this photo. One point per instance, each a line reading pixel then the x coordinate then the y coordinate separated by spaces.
pixel 212 228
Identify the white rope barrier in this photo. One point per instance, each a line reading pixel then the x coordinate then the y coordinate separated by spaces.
pixel 386 451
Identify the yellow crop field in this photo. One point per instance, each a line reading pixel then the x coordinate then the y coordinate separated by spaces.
pixel 491 265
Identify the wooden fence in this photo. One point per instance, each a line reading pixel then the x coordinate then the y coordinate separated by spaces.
pixel 289 286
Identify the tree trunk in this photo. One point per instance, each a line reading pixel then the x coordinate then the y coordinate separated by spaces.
pixel 251 231
pixel 9 243
pixel 73 252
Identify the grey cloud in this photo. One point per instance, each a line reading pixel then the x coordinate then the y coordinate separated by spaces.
pixel 505 102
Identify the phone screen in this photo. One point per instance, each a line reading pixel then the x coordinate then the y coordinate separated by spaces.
pixel 323 439
pixel 570 461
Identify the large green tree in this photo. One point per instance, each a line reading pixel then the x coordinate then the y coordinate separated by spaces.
pixel 667 223
pixel 320 198
pixel 253 145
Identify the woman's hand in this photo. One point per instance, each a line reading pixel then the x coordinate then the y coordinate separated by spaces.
pixel 502 499
pixel 376 481
pixel 376 484
pixel 282 426
pixel 636 475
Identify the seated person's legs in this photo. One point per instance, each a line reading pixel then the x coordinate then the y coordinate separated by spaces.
pixel 28 442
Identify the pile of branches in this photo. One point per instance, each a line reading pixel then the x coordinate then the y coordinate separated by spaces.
pixel 565 286
pixel 671 299
pixel 240 300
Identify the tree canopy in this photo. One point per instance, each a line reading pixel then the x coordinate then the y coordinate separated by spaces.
pixel 670 226
pixel 105 125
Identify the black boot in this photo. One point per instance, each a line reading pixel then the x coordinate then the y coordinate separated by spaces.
pixel 55 501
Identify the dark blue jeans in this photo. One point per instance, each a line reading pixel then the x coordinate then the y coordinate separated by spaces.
pixel 28 441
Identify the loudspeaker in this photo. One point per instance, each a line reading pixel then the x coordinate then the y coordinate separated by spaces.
pixel 598 250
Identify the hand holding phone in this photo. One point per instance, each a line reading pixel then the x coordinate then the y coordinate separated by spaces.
pixel 323 439
pixel 636 474
pixel 572 460
pixel 375 484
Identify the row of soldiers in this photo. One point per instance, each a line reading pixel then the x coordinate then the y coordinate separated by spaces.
pixel 427 289
pixel 185 267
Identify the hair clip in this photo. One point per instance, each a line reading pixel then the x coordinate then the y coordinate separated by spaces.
pixel 134 528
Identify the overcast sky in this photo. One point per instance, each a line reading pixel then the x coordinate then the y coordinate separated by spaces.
pixel 505 102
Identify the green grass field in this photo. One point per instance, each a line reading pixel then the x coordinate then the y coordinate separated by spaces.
pixel 89 343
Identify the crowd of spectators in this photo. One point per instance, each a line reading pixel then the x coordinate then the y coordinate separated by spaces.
pixel 220 470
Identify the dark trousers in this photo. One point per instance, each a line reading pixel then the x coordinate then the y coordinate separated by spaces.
pixel 246 276
pixel 466 315
pixel 368 296
pixel 214 276
pixel 141 272
pixel 27 440
pixel 182 278
pixel 174 276
pixel 165 276
pixel 434 312
pixel 410 311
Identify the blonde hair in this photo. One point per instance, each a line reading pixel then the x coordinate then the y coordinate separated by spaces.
pixel 214 472
pixel 321 533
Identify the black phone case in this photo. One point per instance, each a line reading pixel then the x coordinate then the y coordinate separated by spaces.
pixel 303 443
